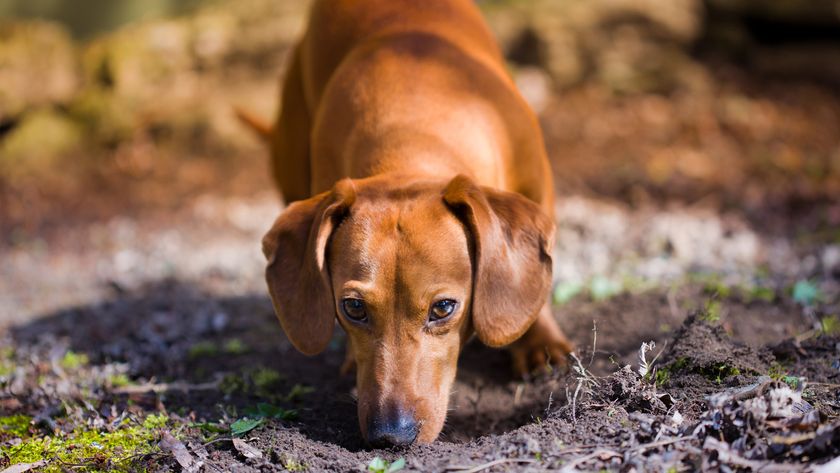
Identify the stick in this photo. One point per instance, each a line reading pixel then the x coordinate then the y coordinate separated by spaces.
pixel 164 387
pixel 570 467
pixel 501 461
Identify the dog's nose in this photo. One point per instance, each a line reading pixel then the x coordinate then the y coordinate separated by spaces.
pixel 392 429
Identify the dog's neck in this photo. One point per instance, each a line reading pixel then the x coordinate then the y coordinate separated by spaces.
pixel 428 156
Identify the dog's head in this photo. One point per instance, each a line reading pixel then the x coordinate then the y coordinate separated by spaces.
pixel 410 272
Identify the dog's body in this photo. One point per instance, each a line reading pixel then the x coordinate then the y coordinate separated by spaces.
pixel 423 205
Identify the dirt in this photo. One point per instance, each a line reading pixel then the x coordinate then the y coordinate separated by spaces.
pixel 153 334
pixel 701 217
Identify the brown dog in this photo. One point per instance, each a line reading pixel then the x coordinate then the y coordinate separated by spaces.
pixel 422 205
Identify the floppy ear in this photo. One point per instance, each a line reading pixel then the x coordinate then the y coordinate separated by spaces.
pixel 512 241
pixel 296 272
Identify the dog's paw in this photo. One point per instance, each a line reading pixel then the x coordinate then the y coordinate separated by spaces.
pixel 543 348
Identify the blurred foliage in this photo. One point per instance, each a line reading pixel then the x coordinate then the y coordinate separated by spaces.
pixel 630 107
pixel 138 112
pixel 76 14
pixel 806 293
pixel 38 66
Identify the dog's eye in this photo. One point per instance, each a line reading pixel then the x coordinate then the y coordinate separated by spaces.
pixel 442 309
pixel 354 309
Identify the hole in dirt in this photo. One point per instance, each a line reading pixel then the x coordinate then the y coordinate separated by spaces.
pixel 488 399
pixel 175 333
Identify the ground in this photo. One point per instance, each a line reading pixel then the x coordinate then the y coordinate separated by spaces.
pixel 697 269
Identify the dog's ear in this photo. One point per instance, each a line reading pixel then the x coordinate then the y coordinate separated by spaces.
pixel 512 241
pixel 297 275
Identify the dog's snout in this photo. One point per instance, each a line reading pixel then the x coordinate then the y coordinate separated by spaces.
pixel 392 428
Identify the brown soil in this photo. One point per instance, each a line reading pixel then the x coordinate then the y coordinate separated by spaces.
pixel 709 203
pixel 156 330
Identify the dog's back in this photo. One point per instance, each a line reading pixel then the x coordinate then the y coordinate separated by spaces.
pixel 338 26
pixel 383 85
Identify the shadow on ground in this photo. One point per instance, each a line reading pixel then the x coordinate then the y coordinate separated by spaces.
pixel 212 358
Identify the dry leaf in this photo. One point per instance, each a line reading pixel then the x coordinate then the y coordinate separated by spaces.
pixel 246 450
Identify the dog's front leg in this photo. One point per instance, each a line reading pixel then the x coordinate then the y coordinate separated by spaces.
pixel 542 346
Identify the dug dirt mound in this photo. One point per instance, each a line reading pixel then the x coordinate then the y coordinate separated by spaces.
pixel 703 358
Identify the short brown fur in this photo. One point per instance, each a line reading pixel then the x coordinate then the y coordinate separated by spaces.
pixel 415 172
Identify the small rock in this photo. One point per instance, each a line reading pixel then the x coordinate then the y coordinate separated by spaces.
pixel 830 260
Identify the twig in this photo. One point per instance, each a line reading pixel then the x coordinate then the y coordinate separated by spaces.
pixel 661 350
pixel 517 396
pixel 661 443
pixel 570 467
pixel 726 456
pixel 827 385
pixel 806 335
pixel 216 440
pixel 583 377
pixel 166 387
pixel 574 401
pixel 476 469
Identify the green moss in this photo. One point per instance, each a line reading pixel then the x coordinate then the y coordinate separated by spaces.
pixel 7 366
pixel 719 371
pixel 96 450
pixel 210 428
pixel 202 349
pixel 74 361
pixel 232 383
pixel 119 380
pixel 757 293
pixel 16 426
pixel 663 376
pixel 681 363
pixel 777 371
pixel 716 372
pixel 266 380
pixel 713 286
pixel 292 464
pixel 792 381
pixel 830 325
pixel 263 382
pixel 235 346
pixel 155 421
pixel 711 313
pixel 298 391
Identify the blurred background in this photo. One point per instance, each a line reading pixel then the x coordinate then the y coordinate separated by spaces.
pixel 687 137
